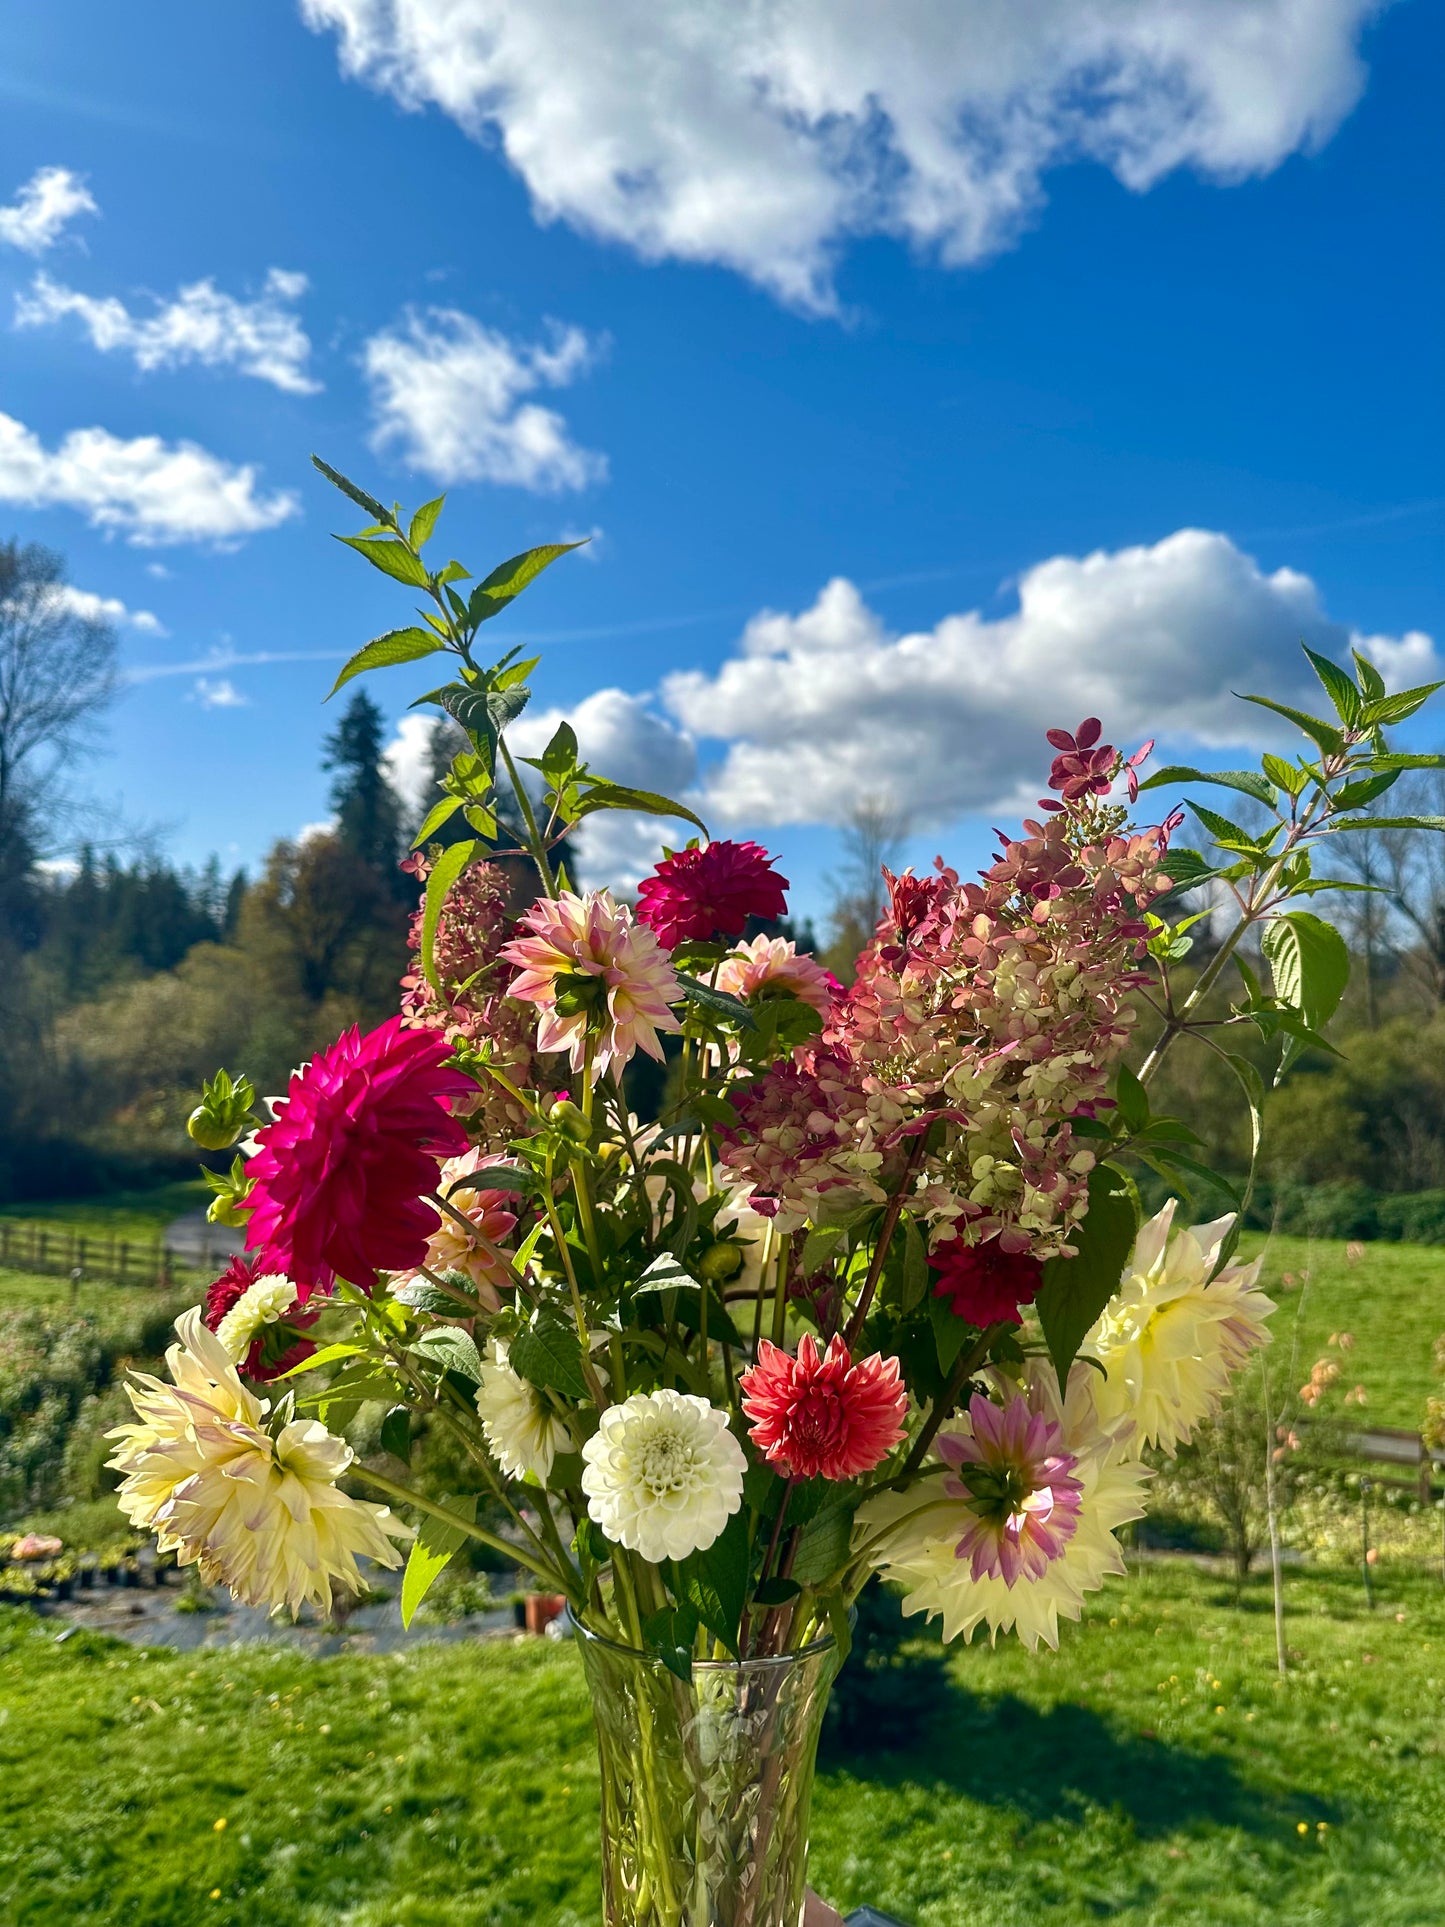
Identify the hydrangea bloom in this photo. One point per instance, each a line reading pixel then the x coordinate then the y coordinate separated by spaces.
pixel 699 893
pixel 594 975
pixel 663 1474
pixel 986 1284
pixel 241 1306
pixel 521 1427
pixel 1017 1480
pixel 919 1533
pixel 261 1515
pixel 1171 1338
pixel 774 964
pixel 337 1181
pixel 819 1415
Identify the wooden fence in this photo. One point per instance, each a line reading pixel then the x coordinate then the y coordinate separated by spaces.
pixel 62 1251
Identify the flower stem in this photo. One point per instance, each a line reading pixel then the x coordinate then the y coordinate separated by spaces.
pixel 460 1523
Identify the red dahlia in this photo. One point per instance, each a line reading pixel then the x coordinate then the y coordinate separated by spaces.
pixel 986 1283
pixel 338 1181
pixel 700 893
pixel 820 1415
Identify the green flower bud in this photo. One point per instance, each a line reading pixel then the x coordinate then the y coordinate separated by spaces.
pixel 224 1112
pixel 571 1121
pixel 226 1210
pixel 720 1262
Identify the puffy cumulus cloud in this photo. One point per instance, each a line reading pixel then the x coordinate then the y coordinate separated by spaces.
pixel 262 337
pixel 762 136
pixel 407 759
pixel 90 607
pixel 218 692
pixel 819 708
pixel 448 393
pixel 44 207
pixel 153 492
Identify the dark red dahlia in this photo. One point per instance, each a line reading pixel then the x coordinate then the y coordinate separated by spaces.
pixel 270 1354
pixel 339 1178
pixel 700 893
pixel 986 1283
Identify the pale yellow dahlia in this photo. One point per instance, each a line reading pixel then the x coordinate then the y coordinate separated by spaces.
pixel 260 1514
pixel 1170 1340
pixel 265 1300
pixel 521 1427
pixel 926 1539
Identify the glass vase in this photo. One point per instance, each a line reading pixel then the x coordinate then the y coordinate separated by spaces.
pixel 706 1784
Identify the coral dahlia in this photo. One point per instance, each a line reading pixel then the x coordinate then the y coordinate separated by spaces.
pixel 593 974
pixel 492 1219
pixel 771 964
pixel 338 1179
pixel 699 893
pixel 819 1415
pixel 986 1284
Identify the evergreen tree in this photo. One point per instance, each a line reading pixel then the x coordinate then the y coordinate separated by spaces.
pixel 368 810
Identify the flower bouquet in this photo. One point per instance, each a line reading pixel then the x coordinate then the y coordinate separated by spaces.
pixel 868 1295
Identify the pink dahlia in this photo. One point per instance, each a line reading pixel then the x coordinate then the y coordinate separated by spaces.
pixel 492 1221
pixel 593 973
pixel 819 1415
pixel 1017 1480
pixel 699 893
pixel 986 1283
pixel 269 1354
pixel 774 964
pixel 339 1178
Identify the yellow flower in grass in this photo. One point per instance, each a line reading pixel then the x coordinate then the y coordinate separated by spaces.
pixel 1170 1340
pixel 260 1514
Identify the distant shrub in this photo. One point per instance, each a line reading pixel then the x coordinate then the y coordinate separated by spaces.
pixel 1345 1210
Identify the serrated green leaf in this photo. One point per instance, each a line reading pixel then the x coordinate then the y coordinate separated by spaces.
pixel 453 1349
pixel 423 522
pixel 1075 1290
pixel 431 1552
pixel 1354 796
pixel 1227 834
pixel 824 1547
pixel 509 578
pixel 358 495
pixel 1289 776
pixel 1132 1099
pixel 1372 683
pixel 1339 687
pixel 1247 781
pixel 619 796
pixel 438 814
pixel 715 1582
pixel 1390 823
pixel 1310 964
pixel 328 1355
pixel 666 1274
pixel 392 558
pixel 1315 727
pixel 1396 708
pixel 776 1592
pixel 549 1355
pixel 445 871
pixel 397 645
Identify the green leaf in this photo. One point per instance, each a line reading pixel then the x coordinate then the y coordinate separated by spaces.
pixel 1325 734
pixel 453 1349
pixel 454 572
pixel 1132 1099
pixel 397 645
pixel 1391 823
pixel 618 796
pixel 825 1544
pixel 423 522
pixel 445 871
pixel 559 758
pixel 1339 687
pixel 949 1332
pixel 1354 796
pixel 1247 781
pixel 1372 683
pixel 1290 778
pixel 1395 709
pixel 358 495
pixel 396 1432
pixel 392 558
pixel 328 1355
pixel 720 1003
pixel 509 578
pixel 666 1274
pixel 549 1354
pixel 1075 1290
pixel 435 817
pixel 669 1635
pixel 1310 965
pixel 715 1582
pixel 422 1295
pixel 431 1551
pixel 915 1264
pixel 1227 834
pixel 777 1592
pixel 820 1249
pixel 1186 869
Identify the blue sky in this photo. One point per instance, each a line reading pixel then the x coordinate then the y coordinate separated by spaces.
pixel 1096 370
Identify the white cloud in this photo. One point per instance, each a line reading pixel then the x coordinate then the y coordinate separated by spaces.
pixel 263 337
pixel 818 708
pixel 91 607
pixel 218 693
pixel 153 492
pixel 762 136
pixel 448 392
pixel 407 758
pixel 36 218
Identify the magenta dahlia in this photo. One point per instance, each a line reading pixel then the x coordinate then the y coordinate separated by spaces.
pixel 1018 1482
pixel 695 894
pixel 339 1179
pixel 986 1283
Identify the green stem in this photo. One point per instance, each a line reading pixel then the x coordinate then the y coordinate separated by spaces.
pixel 459 1522
pixel 536 843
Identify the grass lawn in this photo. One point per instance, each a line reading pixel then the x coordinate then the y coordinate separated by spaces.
pixel 1153 1772
pixel 126 1214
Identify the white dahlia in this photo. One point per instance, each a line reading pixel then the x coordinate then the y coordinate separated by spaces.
pixel 260 1514
pixel 263 1302
pixel 521 1428
pixel 1170 1340
pixel 663 1474
pixel 932 1543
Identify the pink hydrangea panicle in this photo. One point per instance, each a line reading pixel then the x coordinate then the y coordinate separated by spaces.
pixel 986 1283
pixel 771 964
pixel 698 893
pixel 819 1415
pixel 1084 765
pixel 595 977
pixel 1017 1480
pixel 339 1178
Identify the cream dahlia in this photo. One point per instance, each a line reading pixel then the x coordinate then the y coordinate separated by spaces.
pixel 927 1539
pixel 1171 1339
pixel 521 1427
pixel 593 973
pixel 663 1474
pixel 262 1303
pixel 773 964
pixel 259 1513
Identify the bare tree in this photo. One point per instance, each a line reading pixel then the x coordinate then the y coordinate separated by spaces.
pixel 57 676
pixel 873 836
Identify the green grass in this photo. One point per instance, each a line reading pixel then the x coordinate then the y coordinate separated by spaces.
pixel 26 1290
pixel 1392 1299
pixel 457 1787
pixel 126 1214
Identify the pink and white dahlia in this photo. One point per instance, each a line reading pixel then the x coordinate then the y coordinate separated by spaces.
pixel 696 893
pixel 338 1179
pixel 1017 1481
pixel 819 1415
pixel 594 975
pixel 773 964
pixel 492 1221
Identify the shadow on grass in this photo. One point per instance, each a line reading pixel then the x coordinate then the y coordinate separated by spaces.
pixel 1059 1763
